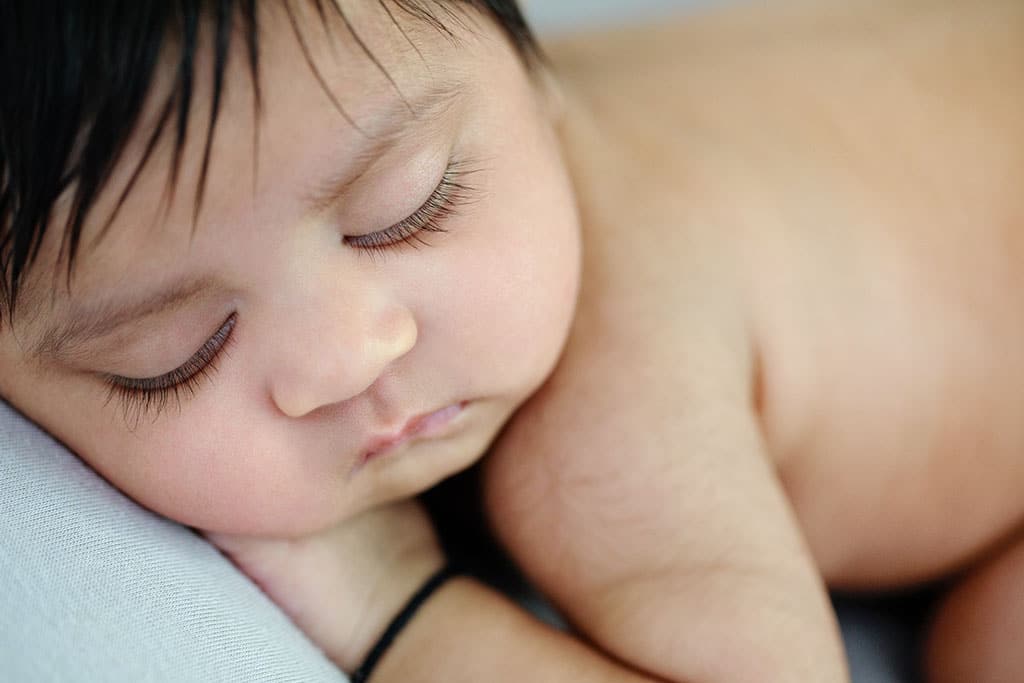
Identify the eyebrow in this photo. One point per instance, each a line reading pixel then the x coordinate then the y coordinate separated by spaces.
pixel 430 104
pixel 102 319
pixel 95 321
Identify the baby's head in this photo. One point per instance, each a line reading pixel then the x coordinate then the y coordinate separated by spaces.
pixel 386 231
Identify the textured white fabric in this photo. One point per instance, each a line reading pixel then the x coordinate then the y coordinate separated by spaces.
pixel 95 588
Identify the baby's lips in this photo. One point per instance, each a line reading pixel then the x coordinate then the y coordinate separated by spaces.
pixel 422 425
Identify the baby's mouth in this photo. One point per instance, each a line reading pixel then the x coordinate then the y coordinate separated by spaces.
pixel 419 427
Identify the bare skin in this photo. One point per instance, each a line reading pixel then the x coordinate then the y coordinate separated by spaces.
pixel 797 351
pixel 793 363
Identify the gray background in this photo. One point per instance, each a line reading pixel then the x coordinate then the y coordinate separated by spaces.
pixel 559 16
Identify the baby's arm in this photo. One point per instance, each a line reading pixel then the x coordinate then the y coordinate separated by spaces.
pixel 655 521
pixel 469 633
pixel 343 586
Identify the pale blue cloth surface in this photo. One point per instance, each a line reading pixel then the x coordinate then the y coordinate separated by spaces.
pixel 93 588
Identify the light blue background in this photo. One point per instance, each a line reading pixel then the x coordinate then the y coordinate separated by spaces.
pixel 558 16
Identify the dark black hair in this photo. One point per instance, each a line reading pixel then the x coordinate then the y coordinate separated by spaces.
pixel 74 77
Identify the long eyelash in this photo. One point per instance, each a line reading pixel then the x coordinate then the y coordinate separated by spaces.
pixel 140 397
pixel 451 194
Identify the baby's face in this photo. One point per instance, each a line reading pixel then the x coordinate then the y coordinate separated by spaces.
pixel 306 349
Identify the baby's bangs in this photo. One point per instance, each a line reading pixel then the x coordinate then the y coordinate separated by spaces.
pixel 75 82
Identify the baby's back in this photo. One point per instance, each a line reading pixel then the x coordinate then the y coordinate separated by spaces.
pixel 839 189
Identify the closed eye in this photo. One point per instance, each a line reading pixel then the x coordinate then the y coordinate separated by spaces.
pixel 152 394
pixel 451 193
pixel 140 397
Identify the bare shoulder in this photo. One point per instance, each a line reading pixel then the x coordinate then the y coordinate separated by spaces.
pixel 775 197
pixel 658 358
pixel 824 63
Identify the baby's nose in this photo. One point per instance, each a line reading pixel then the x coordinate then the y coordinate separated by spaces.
pixel 344 359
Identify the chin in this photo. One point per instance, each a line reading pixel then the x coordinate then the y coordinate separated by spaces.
pixel 414 473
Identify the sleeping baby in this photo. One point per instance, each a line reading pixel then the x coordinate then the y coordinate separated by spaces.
pixel 724 307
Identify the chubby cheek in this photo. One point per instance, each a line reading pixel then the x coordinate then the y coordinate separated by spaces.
pixel 521 318
pixel 223 475
pixel 506 292
pixel 525 281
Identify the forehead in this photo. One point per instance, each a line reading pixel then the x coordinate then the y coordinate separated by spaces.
pixel 335 79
